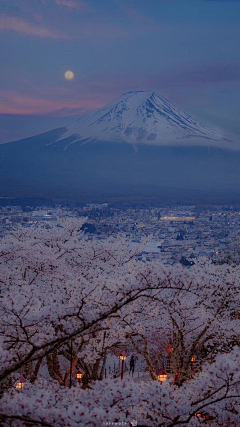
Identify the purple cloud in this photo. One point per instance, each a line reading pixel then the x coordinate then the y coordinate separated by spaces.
pixel 23 27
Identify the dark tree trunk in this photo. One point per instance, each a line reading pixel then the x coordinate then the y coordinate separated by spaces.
pixel 36 370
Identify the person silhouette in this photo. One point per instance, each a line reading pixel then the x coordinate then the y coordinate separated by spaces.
pixel 132 363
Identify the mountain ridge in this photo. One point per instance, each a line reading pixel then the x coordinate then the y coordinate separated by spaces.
pixel 145 117
pixel 61 165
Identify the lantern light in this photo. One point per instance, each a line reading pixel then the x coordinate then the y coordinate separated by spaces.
pixel 79 374
pixel 193 359
pixel 123 356
pixel 203 416
pixel 162 375
pixel 20 383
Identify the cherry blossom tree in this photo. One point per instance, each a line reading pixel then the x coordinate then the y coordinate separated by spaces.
pixel 214 393
pixel 59 287
pixel 69 299
pixel 196 319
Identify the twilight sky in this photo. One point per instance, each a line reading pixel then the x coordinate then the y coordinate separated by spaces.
pixel 187 50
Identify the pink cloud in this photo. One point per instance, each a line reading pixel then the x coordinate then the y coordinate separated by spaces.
pixel 12 102
pixel 19 25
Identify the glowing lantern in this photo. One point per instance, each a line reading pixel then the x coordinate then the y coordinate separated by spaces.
pixel 162 375
pixel 193 359
pixel 122 357
pixel 20 383
pixel 79 375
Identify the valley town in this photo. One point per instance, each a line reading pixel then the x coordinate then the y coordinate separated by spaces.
pixel 174 234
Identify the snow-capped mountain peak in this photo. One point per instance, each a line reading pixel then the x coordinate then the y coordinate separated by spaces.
pixel 144 117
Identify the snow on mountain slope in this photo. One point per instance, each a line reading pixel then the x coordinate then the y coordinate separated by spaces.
pixel 145 118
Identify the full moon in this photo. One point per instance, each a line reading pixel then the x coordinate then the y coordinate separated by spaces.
pixel 69 75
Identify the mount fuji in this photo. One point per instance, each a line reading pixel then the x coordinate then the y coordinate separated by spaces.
pixel 139 148
pixel 144 118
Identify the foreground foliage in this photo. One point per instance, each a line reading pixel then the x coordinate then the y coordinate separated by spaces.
pixel 65 298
